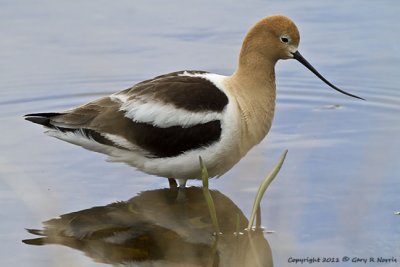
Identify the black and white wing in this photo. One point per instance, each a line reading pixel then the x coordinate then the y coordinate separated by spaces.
pixel 162 117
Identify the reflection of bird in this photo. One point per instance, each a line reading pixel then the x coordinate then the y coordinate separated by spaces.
pixel 162 125
pixel 155 229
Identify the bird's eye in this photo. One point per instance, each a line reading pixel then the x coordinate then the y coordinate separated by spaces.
pixel 284 39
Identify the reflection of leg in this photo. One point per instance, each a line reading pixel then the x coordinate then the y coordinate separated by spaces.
pixel 181 190
pixel 172 183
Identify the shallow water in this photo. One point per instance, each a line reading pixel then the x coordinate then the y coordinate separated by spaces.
pixel 338 190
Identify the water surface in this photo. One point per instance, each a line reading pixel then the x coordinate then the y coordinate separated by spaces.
pixel 338 190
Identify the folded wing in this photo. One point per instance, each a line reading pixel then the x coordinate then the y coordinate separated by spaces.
pixel 162 117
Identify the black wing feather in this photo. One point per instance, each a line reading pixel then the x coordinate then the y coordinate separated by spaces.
pixel 103 116
pixel 175 140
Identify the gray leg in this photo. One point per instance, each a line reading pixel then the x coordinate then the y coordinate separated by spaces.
pixel 182 183
pixel 172 183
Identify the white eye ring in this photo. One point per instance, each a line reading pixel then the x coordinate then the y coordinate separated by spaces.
pixel 285 39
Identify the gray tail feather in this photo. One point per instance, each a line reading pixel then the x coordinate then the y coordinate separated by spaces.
pixel 45 120
pixel 35 241
pixel 41 118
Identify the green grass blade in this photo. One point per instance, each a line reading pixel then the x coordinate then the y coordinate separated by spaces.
pixel 208 197
pixel 263 187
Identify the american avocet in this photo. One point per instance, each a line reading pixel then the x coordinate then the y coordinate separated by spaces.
pixel 161 126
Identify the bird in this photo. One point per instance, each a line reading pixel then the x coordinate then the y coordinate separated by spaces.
pixel 162 125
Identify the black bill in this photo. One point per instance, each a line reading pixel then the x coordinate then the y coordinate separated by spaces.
pixel 302 60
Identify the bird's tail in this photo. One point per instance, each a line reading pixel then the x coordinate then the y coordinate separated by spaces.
pixel 41 118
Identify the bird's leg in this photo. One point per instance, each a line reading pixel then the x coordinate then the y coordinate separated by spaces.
pixel 172 183
pixel 182 183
